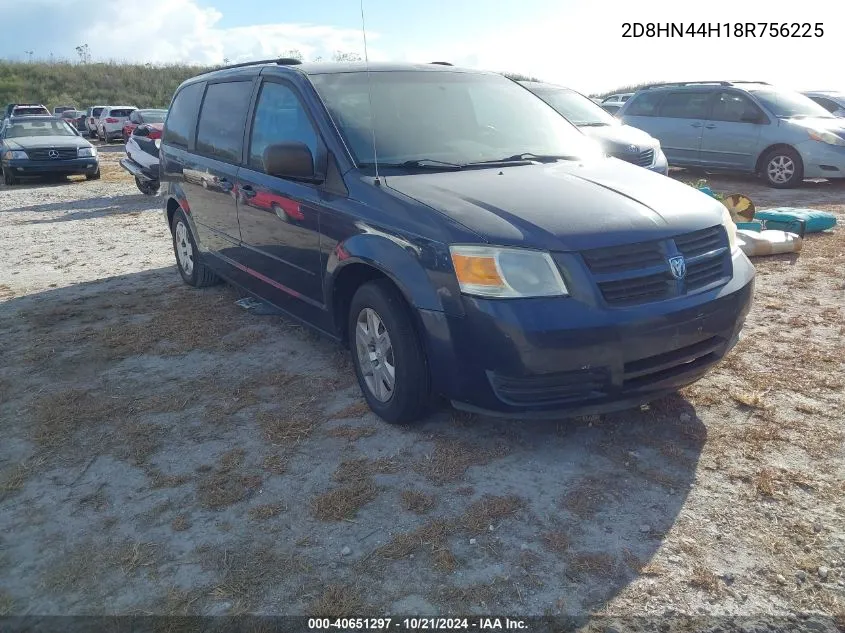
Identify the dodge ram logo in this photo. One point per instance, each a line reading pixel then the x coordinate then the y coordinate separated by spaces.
pixel 53 153
pixel 678 266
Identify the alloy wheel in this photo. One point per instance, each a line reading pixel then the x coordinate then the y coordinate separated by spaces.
pixel 184 250
pixel 375 354
pixel 780 169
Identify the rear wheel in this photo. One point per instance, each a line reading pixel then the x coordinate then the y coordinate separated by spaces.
pixel 188 258
pixel 783 168
pixel 387 353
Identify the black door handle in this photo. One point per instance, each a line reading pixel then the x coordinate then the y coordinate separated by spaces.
pixel 695 124
pixel 710 126
pixel 247 191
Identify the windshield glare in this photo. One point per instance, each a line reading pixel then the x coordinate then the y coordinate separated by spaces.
pixel 446 116
pixel 783 103
pixel 576 107
pixel 38 128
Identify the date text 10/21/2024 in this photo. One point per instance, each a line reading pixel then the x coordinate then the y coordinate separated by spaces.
pixel 417 624
pixel 723 29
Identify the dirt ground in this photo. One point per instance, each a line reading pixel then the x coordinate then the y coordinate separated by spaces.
pixel 165 451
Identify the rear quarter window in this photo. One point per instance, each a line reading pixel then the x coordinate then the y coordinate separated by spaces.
pixel 644 104
pixel 182 119
pixel 221 126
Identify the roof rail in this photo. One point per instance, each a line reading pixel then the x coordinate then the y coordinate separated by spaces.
pixel 745 81
pixel 442 63
pixel 687 83
pixel 281 61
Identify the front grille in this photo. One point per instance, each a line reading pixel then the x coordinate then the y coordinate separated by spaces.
pixel 64 153
pixel 615 259
pixel 561 387
pixel 701 242
pixel 639 273
pixel 643 159
pixel 648 371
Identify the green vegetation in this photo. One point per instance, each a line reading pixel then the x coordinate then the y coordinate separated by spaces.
pixel 82 85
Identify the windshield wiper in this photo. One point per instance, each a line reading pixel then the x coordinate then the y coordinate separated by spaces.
pixel 593 124
pixel 420 163
pixel 526 157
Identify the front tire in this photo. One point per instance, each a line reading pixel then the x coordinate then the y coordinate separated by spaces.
pixel 188 258
pixel 8 178
pixel 387 353
pixel 94 176
pixel 783 168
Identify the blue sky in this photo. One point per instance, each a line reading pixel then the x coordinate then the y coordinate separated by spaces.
pixel 573 42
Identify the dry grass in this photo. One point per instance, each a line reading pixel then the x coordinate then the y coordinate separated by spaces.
pixel 586 498
pixel 351 433
pixel 7 604
pixel 225 485
pixel 355 410
pixel 352 470
pixel 266 511
pixel 632 561
pixel 180 523
pixel 451 458
pixel 14 478
pixel 599 564
pixel 136 555
pixel 488 510
pixel 556 541
pixel 344 501
pixel 417 502
pixel 247 571
pixel 483 595
pixel 287 427
pixel 431 535
pixel 159 480
pixel 764 483
pixel 275 464
pixel 704 579
pixel 337 601
pixel 751 399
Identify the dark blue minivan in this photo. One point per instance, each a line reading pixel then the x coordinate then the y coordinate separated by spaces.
pixel 462 237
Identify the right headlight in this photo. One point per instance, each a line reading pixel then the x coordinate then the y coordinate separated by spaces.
pixel 15 154
pixel 492 271
pixel 730 228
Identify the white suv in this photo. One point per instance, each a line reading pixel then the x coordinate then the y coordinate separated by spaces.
pixel 110 123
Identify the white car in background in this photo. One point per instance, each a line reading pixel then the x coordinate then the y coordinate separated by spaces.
pixel 110 123
pixel 830 100
pixel 613 103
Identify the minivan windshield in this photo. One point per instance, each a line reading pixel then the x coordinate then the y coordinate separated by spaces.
pixel 445 117
pixel 574 106
pixel 786 104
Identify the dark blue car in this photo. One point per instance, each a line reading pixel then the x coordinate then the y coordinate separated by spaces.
pixel 460 235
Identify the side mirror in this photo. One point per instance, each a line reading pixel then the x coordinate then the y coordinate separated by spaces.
pixel 289 160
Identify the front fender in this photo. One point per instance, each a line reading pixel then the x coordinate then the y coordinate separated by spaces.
pixel 420 268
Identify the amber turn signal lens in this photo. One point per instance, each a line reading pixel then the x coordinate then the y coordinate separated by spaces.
pixel 476 270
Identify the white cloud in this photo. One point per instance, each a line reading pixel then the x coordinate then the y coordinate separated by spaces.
pixel 172 31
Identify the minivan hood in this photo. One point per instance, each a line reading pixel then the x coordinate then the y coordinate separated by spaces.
pixel 563 206
pixel 835 125
pixel 617 138
pixel 35 142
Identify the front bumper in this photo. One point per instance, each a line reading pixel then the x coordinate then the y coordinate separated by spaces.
pixel 661 165
pixel 26 167
pixel 822 160
pixel 560 357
